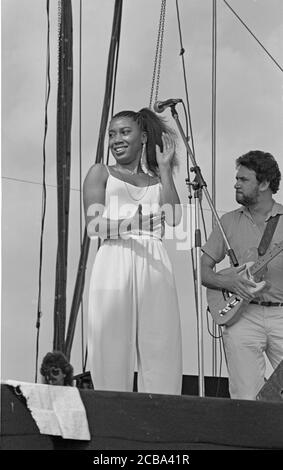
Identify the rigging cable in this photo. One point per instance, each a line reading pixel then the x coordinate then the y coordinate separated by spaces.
pixel 112 93
pixel 80 279
pixel 35 182
pixel 158 54
pixel 254 36
pixel 182 52
pixel 188 124
pixel 47 94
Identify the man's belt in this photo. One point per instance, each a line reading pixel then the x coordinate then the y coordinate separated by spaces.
pixel 267 304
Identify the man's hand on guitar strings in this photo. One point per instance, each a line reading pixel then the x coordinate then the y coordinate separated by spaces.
pixel 235 282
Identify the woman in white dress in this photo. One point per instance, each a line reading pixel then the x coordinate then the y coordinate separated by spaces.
pixel 133 314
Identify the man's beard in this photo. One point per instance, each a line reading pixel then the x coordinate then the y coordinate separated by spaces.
pixel 247 200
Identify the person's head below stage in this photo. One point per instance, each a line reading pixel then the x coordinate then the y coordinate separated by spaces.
pixel 56 369
pixel 133 137
pixel 258 178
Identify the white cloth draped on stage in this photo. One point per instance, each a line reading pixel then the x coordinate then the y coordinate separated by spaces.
pixel 57 410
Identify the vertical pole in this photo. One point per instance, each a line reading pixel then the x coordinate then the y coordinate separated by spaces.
pixel 199 294
pixel 64 122
pixel 213 141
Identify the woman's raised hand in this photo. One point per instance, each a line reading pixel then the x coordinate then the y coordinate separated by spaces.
pixel 164 158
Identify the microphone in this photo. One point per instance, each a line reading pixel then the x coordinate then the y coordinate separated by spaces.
pixel 160 106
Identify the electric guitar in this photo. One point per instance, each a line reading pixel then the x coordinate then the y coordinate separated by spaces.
pixel 226 307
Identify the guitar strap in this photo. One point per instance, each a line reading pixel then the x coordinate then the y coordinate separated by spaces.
pixel 268 234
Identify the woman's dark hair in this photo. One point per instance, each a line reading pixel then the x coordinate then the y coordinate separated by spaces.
pixel 264 165
pixel 153 126
pixel 57 359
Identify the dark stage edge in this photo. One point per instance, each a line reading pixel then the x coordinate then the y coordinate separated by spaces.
pixel 137 421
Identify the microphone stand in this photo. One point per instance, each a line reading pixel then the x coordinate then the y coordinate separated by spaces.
pixel 200 185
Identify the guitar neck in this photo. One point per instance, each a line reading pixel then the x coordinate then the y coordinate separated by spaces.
pixel 266 258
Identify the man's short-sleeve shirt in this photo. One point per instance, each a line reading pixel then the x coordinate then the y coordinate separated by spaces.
pixel 244 237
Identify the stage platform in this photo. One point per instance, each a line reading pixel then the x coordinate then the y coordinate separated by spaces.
pixel 126 421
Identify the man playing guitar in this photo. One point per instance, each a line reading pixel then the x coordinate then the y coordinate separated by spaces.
pixel 258 329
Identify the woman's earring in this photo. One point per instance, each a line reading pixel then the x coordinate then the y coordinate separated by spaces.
pixel 143 161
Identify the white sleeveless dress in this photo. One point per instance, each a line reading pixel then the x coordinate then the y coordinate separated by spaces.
pixel 133 314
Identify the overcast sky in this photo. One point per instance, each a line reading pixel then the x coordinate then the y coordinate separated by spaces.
pixel 249 116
